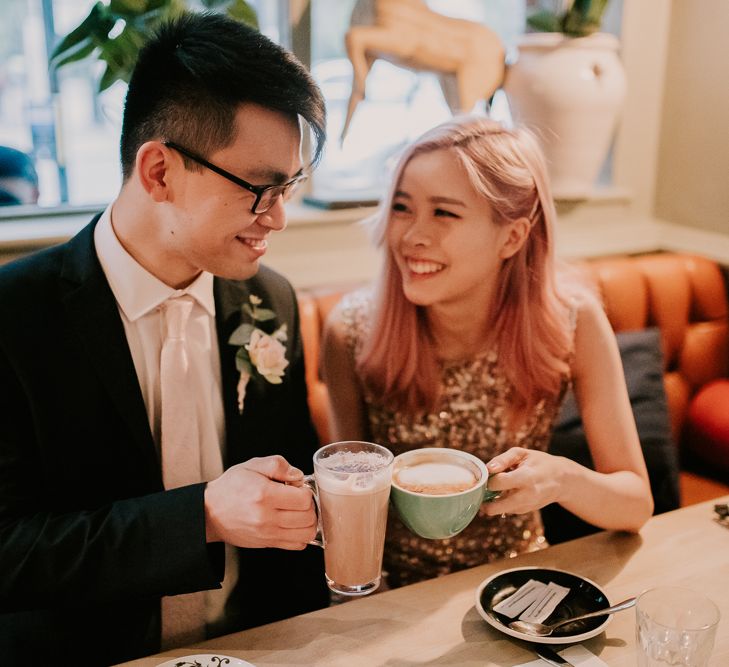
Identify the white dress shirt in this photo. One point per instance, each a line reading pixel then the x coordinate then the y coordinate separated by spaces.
pixel 139 296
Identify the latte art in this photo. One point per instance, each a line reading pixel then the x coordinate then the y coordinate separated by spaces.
pixel 435 478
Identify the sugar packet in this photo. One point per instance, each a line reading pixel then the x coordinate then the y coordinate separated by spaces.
pixel 541 608
pixel 521 599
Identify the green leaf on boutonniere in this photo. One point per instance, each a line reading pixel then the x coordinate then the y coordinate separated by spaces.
pixel 258 314
pixel 242 362
pixel 264 314
pixel 241 335
pixel 264 353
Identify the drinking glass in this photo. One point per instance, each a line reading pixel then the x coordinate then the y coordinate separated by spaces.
pixel 351 486
pixel 675 626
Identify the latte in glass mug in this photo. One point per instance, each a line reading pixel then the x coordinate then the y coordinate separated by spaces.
pixel 351 486
pixel 354 516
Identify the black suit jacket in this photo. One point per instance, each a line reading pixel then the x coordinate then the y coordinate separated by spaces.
pixel 89 540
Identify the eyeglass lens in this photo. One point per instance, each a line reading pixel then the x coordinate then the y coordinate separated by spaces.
pixel 268 197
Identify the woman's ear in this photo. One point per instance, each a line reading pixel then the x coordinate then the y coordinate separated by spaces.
pixel 153 167
pixel 516 235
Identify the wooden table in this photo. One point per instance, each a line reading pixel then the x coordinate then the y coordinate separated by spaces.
pixel 436 622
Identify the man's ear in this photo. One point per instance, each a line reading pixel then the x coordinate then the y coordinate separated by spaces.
pixel 153 166
pixel 516 235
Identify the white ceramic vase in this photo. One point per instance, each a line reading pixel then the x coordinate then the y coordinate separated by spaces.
pixel 570 91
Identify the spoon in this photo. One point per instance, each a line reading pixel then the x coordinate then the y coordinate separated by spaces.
pixel 542 630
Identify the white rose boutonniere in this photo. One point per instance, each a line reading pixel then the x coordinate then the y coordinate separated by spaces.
pixel 258 352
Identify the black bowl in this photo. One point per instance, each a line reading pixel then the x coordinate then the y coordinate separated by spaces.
pixel 584 596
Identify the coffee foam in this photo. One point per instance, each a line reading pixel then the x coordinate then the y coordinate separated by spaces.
pixel 354 462
pixel 435 477
pixel 354 472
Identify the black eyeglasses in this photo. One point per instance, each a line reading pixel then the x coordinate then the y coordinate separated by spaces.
pixel 266 195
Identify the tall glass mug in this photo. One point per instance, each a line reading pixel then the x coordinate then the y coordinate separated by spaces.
pixel 351 486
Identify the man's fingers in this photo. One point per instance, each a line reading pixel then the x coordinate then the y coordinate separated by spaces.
pixel 288 519
pixel 278 544
pixel 274 467
pixel 291 546
pixel 290 536
pixel 284 497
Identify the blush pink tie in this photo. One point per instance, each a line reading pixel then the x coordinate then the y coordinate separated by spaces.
pixel 183 616
pixel 179 432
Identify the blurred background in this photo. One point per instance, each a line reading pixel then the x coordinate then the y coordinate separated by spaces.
pixel 71 131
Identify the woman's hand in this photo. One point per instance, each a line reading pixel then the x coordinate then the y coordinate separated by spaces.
pixel 528 480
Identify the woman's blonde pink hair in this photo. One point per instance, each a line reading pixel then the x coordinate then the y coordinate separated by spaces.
pixel 530 320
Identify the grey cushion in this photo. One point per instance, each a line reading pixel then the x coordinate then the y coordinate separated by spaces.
pixel 642 359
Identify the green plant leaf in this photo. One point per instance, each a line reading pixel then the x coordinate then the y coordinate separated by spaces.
pixel 111 74
pixel 544 21
pixel 241 335
pixel 243 12
pixel 157 4
pixel 120 54
pixel 128 7
pixel 141 18
pixel 112 52
pixel 79 52
pixel 584 17
pixel 594 15
pixel 132 39
pixel 96 22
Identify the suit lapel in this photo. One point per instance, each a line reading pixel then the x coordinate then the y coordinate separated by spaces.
pixel 93 312
pixel 229 296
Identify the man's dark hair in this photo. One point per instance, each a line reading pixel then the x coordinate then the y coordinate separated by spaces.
pixel 192 76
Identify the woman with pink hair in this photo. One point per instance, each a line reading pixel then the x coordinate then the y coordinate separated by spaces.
pixel 470 340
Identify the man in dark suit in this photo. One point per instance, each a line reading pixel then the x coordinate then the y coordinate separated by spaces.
pixel 94 541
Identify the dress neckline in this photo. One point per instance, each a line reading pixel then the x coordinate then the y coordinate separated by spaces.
pixel 488 354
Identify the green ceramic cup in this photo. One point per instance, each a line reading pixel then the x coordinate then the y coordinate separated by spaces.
pixel 438 515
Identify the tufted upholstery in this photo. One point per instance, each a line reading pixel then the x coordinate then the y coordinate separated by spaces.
pixel 683 295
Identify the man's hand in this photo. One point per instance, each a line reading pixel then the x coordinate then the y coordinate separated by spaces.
pixel 260 503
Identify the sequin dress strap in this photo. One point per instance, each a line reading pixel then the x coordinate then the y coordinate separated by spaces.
pixel 355 313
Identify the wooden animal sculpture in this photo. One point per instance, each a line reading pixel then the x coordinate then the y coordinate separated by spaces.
pixel 468 56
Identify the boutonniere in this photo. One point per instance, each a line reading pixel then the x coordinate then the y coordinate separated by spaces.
pixel 258 352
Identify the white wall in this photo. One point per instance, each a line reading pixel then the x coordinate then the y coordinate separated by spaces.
pixel 692 179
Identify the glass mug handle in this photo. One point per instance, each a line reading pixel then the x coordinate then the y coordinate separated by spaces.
pixel 310 483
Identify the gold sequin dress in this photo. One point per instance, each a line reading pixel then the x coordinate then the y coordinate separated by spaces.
pixel 471 416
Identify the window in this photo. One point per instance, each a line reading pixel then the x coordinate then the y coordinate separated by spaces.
pixel 72 132
pixel 69 129
pixel 400 104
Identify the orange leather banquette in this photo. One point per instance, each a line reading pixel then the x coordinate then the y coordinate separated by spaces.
pixel 683 295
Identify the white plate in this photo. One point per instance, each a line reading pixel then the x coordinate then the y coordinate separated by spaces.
pixel 584 596
pixel 206 660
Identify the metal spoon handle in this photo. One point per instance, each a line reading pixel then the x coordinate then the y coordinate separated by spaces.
pixel 603 612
